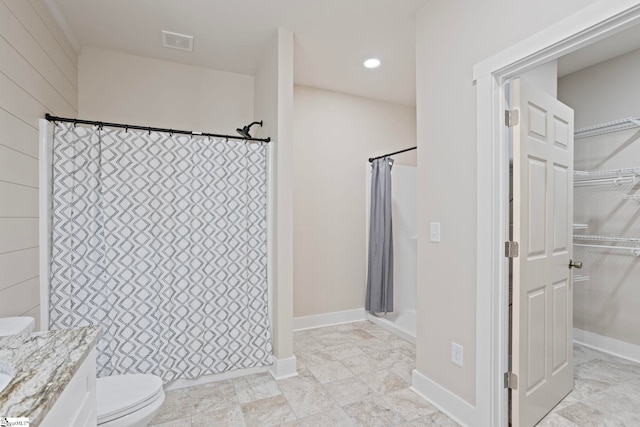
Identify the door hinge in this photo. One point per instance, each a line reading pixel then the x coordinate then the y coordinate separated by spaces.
pixel 511 118
pixel 511 249
pixel 510 380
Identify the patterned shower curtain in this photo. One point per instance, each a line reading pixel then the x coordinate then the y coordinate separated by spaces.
pixel 161 239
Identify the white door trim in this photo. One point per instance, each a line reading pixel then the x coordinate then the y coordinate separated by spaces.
pixel 598 21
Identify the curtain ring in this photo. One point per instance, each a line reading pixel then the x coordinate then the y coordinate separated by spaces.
pixel 126 128
pixel 149 129
pixel 75 122
pixel 170 132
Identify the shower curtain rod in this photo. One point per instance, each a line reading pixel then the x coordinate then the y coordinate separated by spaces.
pixel 371 159
pixel 51 118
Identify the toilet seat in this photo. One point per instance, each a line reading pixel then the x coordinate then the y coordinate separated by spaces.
pixel 122 395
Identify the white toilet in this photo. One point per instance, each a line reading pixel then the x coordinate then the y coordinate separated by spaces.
pixel 16 325
pixel 130 400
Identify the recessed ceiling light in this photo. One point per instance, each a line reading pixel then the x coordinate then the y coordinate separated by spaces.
pixel 177 41
pixel 372 63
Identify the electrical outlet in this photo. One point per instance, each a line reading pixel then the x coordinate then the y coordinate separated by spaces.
pixel 435 231
pixel 457 353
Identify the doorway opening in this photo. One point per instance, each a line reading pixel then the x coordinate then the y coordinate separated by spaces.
pixel 603 231
pixel 582 29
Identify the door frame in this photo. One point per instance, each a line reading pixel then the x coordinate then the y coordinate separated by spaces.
pixel 593 23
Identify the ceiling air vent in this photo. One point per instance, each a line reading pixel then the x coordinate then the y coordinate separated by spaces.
pixel 177 41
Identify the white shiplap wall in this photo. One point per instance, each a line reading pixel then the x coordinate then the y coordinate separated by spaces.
pixel 38 74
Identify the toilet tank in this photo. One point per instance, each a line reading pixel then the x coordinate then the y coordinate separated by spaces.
pixel 16 325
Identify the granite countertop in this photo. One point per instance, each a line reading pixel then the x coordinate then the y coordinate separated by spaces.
pixel 42 364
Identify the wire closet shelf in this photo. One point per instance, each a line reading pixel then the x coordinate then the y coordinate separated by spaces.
pixel 604 128
pixel 618 177
pixel 614 176
pixel 634 248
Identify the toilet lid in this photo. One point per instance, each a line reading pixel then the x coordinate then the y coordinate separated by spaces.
pixel 119 395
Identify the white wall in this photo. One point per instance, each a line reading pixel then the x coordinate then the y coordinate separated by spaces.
pixel 545 77
pixel 604 92
pixel 607 304
pixel 124 88
pixel 334 135
pixel 274 105
pixel 405 236
pixel 38 74
pixel 452 36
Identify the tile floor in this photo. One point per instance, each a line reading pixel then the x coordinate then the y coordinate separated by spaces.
pixel 358 374
pixel 606 393
pixel 355 374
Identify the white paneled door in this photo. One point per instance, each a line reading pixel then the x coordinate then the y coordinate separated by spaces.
pixel 542 357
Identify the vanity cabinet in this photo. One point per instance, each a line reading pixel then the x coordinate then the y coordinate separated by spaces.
pixel 76 405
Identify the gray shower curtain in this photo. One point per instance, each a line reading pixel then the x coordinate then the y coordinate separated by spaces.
pixel 380 267
pixel 161 239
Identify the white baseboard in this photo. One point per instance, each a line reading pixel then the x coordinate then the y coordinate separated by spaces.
pixel 213 378
pixel 451 405
pixel 391 327
pixel 328 319
pixel 283 368
pixel 280 369
pixel 608 345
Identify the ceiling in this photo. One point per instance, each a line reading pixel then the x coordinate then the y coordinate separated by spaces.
pixel 332 37
pixel 600 51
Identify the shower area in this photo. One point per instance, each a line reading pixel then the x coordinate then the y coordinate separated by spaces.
pixel 160 237
pixel 402 319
